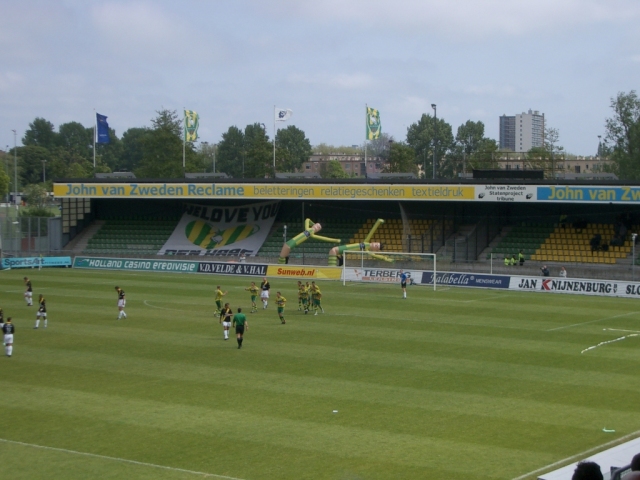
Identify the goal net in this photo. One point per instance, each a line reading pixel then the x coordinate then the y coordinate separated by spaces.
pixel 386 267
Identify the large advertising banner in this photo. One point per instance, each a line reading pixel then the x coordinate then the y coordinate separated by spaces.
pixel 381 275
pixel 319 273
pixel 135 264
pixel 260 191
pixel 35 262
pixel 506 193
pixel 467 279
pixel 580 286
pixel 207 230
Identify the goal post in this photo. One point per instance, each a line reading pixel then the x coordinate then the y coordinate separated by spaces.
pixel 384 267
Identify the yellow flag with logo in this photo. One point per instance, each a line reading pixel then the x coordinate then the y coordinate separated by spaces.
pixel 373 124
pixel 191 121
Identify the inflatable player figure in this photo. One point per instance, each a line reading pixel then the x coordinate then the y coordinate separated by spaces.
pixel 365 246
pixel 310 231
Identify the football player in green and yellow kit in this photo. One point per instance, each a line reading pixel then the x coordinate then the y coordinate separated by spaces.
pixel 280 302
pixel 254 290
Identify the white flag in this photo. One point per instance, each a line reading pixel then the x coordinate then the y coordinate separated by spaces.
pixel 283 114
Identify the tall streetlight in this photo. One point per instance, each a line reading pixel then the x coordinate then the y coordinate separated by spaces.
pixel 633 261
pixel 599 151
pixel 15 168
pixel 435 125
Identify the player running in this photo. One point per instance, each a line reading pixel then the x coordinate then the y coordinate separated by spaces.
pixel 300 295
pixel 280 302
pixel 316 296
pixel 265 286
pixel 219 295
pixel 254 290
pixel 42 312
pixel 403 283
pixel 307 297
pixel 225 320
pixel 8 329
pixel 28 294
pixel 122 301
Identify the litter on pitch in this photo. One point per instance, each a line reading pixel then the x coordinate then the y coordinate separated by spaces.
pixel 335 411
pixel 605 430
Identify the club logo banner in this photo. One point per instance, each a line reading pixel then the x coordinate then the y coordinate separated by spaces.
pixel 206 230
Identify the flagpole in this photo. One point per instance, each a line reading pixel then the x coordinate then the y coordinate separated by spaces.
pixel 184 139
pixel 274 141
pixel 366 137
pixel 95 135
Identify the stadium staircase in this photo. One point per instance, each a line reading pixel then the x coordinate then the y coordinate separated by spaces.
pixel 528 237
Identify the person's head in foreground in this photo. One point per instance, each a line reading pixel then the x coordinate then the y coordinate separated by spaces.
pixel 587 471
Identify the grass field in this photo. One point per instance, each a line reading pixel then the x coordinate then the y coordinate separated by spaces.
pixel 453 384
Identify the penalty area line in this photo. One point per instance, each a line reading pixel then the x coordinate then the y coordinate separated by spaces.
pixel 579 456
pixel 117 459
pixel 592 321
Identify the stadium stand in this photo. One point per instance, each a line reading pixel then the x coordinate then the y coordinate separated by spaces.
pixel 574 245
pixel 392 234
pixel 528 237
pixel 131 236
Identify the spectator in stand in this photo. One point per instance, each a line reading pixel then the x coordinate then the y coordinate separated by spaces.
pixel 506 260
pixel 587 471
pixel 595 242
pixel 563 272
pixel 512 262
pixel 521 258
pixel 545 271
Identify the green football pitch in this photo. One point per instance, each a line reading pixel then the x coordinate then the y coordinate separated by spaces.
pixel 453 384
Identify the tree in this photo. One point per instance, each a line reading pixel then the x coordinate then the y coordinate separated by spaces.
pixel 258 152
pixel 41 133
pixel 292 149
pixel 469 136
pixel 4 183
pixel 485 155
pixel 168 120
pixel 332 169
pixel 231 157
pixel 36 195
pixel 162 149
pixel 380 146
pixel 555 151
pixel 132 145
pixel 425 135
pixel 402 159
pixel 325 149
pixel 30 164
pixel 74 137
pixel 623 132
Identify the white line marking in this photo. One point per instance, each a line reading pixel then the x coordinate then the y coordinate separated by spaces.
pixel 481 299
pixel 124 460
pixel 620 330
pixel 580 456
pixel 609 341
pixel 146 302
pixel 592 321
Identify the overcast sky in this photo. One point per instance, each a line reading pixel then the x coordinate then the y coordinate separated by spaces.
pixel 232 61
